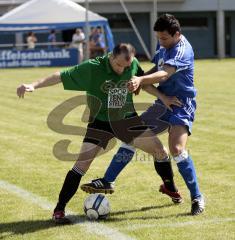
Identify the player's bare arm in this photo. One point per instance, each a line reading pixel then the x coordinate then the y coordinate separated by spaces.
pixel 167 100
pixel 45 82
pixel 155 77
pixel 152 70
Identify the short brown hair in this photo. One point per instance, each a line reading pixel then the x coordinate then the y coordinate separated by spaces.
pixel 124 48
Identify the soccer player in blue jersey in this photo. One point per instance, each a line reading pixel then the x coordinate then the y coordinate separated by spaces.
pixel 174 62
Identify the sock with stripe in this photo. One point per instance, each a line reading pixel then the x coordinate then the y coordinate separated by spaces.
pixel 69 188
pixel 188 172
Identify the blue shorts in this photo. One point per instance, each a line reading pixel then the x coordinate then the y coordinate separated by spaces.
pixel 158 113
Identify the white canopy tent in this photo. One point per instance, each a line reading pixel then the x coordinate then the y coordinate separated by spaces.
pixel 44 15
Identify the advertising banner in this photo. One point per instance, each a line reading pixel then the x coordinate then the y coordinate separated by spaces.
pixel 38 58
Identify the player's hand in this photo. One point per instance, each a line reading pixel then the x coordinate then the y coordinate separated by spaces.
pixel 169 101
pixel 134 83
pixel 24 88
pixel 137 91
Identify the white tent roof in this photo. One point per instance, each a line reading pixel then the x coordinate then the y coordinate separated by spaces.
pixel 43 15
pixel 48 11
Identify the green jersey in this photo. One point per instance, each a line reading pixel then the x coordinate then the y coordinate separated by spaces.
pixel 107 95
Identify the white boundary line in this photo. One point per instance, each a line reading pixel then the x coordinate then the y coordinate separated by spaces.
pixel 179 224
pixel 91 227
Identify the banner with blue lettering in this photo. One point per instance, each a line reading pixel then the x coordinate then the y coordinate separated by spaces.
pixel 38 58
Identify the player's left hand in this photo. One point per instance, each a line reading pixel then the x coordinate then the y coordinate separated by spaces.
pixel 134 83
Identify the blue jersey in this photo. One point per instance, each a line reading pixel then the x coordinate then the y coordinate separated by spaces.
pixel 181 57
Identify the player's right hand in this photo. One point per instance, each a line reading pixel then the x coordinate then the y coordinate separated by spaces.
pixel 168 101
pixel 24 88
pixel 134 83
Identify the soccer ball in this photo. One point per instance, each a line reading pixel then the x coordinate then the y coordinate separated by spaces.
pixel 96 206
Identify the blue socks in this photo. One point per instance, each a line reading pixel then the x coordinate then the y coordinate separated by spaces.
pixel 184 163
pixel 187 171
pixel 124 156
pixel 119 161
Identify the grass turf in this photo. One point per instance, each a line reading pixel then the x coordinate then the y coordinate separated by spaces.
pixel 138 210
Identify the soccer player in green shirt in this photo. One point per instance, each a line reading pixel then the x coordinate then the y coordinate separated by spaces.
pixel 112 113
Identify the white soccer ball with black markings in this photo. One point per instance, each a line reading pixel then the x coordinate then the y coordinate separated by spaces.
pixel 96 206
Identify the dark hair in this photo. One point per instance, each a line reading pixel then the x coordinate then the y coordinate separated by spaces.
pixel 167 22
pixel 124 48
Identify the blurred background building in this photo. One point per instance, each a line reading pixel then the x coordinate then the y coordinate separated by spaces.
pixel 208 24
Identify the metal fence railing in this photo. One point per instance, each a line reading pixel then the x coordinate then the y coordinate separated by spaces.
pixel 37 45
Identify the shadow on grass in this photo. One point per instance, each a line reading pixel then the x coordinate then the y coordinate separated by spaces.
pixel 113 215
pixel 115 219
pixel 30 226
pixel 143 209
pixel 22 227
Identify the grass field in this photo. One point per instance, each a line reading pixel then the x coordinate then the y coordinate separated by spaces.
pixel 31 177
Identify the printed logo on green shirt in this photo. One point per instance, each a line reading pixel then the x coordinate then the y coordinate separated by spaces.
pixel 117 93
pixel 109 84
pixel 117 97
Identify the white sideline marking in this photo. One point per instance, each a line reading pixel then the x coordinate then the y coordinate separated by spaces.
pixel 179 224
pixel 91 227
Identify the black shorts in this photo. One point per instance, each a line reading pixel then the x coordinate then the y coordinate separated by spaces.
pixel 126 130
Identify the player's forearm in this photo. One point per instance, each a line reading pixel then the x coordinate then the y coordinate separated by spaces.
pixel 150 89
pixel 159 94
pixel 48 81
pixel 152 70
pixel 155 77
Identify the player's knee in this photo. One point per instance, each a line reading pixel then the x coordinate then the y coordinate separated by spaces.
pixel 161 153
pixel 176 150
pixel 183 156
